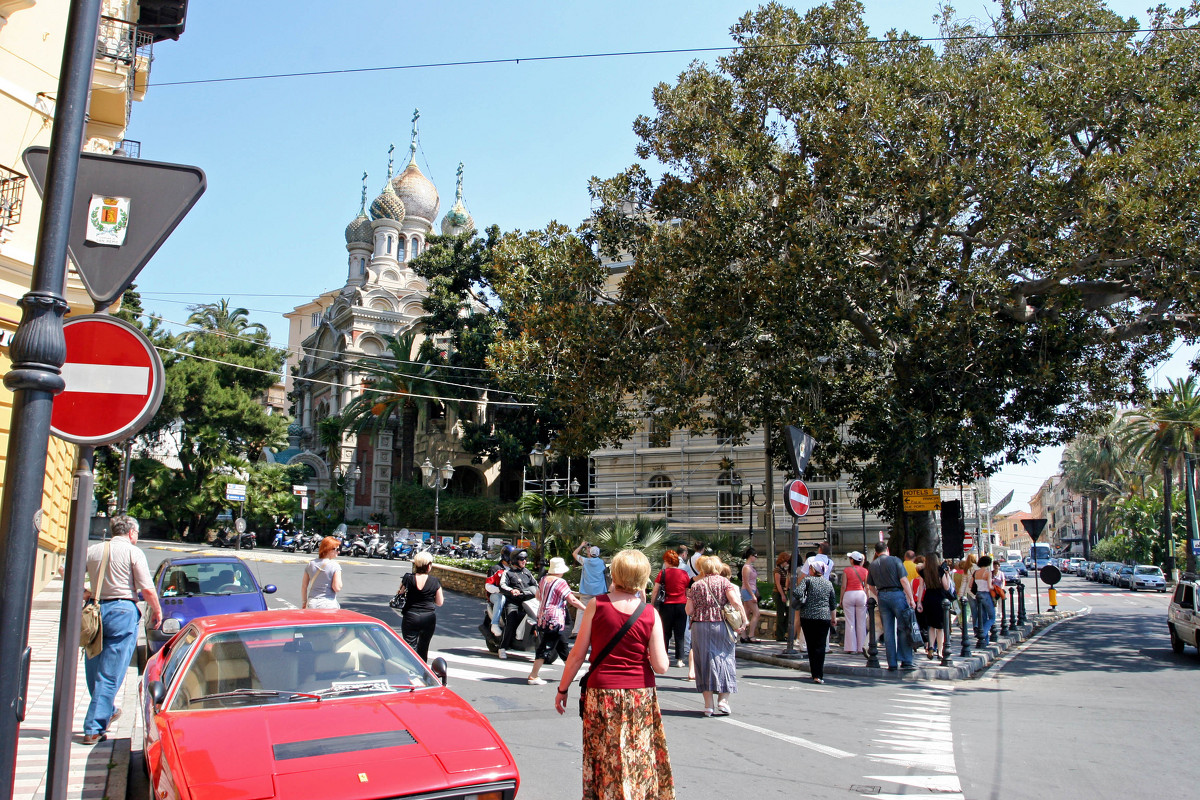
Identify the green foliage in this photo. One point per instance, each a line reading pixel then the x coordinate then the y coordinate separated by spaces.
pixel 981 234
pixel 413 507
pixel 647 535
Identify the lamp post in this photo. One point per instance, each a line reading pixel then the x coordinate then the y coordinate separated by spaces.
pixel 437 478
pixel 351 484
pixel 537 459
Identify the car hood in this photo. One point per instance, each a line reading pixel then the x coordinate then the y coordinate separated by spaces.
pixel 372 746
pixel 185 609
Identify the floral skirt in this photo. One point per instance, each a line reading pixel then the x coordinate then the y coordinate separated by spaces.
pixel 624 747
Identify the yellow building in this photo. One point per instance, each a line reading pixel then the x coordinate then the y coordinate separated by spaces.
pixel 32 34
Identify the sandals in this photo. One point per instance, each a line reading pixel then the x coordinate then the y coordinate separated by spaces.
pixel 708 712
pixel 723 709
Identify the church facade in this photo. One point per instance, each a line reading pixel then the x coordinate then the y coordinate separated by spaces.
pixel 333 334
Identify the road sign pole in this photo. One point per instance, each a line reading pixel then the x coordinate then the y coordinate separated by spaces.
pixel 37 352
pixel 790 650
pixel 62 715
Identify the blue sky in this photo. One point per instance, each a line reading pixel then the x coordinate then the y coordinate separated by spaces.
pixel 284 157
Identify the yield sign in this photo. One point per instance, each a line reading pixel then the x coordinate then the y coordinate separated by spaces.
pixel 114 381
pixel 797 498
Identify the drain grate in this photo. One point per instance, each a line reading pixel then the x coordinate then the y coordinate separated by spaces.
pixel 865 789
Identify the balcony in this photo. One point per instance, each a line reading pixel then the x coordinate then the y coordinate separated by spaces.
pixel 12 193
pixel 123 57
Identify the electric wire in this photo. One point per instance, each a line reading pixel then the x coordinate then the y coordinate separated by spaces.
pixel 904 40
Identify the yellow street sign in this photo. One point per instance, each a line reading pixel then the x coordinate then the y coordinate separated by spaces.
pixel 922 493
pixel 922 503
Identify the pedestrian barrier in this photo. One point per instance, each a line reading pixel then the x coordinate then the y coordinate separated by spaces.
pixel 872 644
pixel 947 629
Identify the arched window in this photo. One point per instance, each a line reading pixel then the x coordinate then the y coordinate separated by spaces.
pixel 400 249
pixel 660 500
pixel 389 245
pixel 416 247
pixel 729 496
pixel 362 267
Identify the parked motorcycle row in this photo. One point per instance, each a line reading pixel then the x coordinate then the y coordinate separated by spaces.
pixel 360 545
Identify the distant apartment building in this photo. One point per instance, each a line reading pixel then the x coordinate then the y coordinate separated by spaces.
pixel 1063 511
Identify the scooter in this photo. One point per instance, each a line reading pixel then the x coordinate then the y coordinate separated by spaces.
pixel 280 535
pixel 224 538
pixel 290 543
pixel 358 546
pixel 347 545
pixel 378 547
pixel 526 635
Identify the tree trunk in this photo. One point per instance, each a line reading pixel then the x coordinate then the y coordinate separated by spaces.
pixel 1169 565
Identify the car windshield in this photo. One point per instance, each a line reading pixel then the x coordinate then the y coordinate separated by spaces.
pixel 298 663
pixel 1147 571
pixel 218 577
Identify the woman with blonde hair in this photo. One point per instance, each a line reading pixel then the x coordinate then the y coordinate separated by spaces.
pixel 624 745
pixel 713 649
pixel 322 578
pixel 422 598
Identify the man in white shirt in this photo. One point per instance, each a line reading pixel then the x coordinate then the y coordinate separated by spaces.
pixel 820 564
pixel 126 576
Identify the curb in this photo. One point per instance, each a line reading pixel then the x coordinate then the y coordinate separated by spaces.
pixel 960 668
pixel 117 785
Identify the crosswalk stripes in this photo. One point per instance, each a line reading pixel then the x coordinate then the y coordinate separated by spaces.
pixel 479 664
pixel 916 736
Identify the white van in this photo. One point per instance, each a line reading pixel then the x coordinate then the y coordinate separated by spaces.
pixel 1013 555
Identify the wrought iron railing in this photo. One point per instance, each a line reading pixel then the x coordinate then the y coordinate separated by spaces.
pixel 12 193
pixel 120 41
pixel 132 147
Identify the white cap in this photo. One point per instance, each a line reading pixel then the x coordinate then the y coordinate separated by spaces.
pixel 594 552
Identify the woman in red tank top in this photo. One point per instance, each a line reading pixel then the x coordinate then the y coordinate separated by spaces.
pixel 624 746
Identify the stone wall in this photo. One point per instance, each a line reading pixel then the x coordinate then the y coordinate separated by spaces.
pixel 460 580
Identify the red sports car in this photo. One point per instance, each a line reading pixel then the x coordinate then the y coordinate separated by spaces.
pixel 311 704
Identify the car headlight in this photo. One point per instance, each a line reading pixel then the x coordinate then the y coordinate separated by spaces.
pixel 170 626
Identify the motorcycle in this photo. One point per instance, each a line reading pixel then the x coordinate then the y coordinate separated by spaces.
pixel 358 546
pixel 378 547
pixel 224 538
pixel 347 545
pixel 526 633
pixel 290 543
pixel 280 535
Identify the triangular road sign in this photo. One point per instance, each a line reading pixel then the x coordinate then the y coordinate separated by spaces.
pixel 1034 527
pixel 159 196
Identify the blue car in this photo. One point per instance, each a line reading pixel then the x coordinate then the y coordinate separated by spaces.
pixel 202 586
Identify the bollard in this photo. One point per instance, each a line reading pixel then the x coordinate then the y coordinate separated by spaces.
pixel 1002 612
pixel 872 645
pixel 965 651
pixel 1012 610
pixel 1021 603
pixel 1053 598
pixel 947 629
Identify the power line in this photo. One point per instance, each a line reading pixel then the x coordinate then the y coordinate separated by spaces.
pixel 680 50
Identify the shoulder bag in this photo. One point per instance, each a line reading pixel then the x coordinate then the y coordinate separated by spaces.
pixel 608 648
pixel 91 629
pixel 660 590
pixel 398 600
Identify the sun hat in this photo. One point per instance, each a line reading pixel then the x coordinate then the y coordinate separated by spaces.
pixel 594 552
pixel 854 555
pixel 557 566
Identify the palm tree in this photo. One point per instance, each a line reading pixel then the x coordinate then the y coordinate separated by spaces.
pixel 392 382
pixel 220 318
pixel 1094 468
pixel 1164 432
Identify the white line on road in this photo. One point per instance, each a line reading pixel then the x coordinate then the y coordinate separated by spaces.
pixel 783 737
pixel 942 762
pixel 798 688
pixel 494 663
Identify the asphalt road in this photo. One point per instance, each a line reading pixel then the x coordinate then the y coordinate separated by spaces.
pixel 1097 706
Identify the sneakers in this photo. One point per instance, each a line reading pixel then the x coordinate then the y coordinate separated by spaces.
pixel 93 738
pixel 536 681
pixel 502 653
pixel 496 631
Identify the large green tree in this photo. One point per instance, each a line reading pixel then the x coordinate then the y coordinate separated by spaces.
pixel 937 257
pixel 212 413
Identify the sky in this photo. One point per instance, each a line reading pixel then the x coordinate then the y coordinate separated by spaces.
pixel 284 156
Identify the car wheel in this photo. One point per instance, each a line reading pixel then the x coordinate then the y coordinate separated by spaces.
pixel 1176 642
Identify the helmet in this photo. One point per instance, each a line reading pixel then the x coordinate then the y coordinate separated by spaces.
pixel 520 555
pixel 506 552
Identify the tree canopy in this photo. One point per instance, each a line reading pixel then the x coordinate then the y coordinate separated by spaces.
pixel 937 257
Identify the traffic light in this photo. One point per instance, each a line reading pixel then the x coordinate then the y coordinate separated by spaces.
pixel 952 529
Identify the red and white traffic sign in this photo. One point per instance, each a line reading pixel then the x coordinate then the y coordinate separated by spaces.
pixel 797 498
pixel 968 541
pixel 114 381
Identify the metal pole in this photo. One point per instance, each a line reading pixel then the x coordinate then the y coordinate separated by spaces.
pixel 62 716
pixel 1037 586
pixel 965 648
pixel 1012 609
pixel 437 506
pixel 872 645
pixel 1021 603
pixel 790 651
pixel 38 351
pixel 1003 613
pixel 947 629
pixel 1192 535
pixel 123 489
pixel 1169 561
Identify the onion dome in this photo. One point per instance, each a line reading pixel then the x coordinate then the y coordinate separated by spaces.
pixel 388 205
pixel 419 195
pixel 458 219
pixel 359 230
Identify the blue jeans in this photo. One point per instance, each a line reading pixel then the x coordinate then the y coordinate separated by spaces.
pixel 106 672
pixel 987 616
pixel 893 613
pixel 499 612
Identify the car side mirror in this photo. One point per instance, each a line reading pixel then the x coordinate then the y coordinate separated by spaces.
pixel 438 666
pixel 158 692
pixel 269 589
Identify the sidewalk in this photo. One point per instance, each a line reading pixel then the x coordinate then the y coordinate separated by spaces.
pixel 95 772
pixel 838 662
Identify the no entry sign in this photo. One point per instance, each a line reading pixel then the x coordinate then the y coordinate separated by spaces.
pixel 797 498
pixel 114 381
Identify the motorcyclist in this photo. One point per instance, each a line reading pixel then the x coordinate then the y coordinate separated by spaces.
pixel 517 584
pixel 494 576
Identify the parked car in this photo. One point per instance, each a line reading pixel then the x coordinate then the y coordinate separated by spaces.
pixel 1020 567
pixel 1092 571
pixel 1183 615
pixel 1076 566
pixel 199 586
pixel 1124 574
pixel 1108 572
pixel 329 704
pixel 1146 576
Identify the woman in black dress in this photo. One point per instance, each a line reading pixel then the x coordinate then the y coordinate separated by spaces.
pixel 936 577
pixel 422 596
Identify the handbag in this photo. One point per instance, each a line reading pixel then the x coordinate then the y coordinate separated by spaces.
pixel 734 620
pixel 91 627
pixel 398 599
pixel 800 593
pixel 660 592
pixel 608 648
pixel 914 630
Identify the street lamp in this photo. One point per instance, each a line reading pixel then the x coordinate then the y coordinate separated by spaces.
pixel 537 459
pixel 351 484
pixel 437 478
